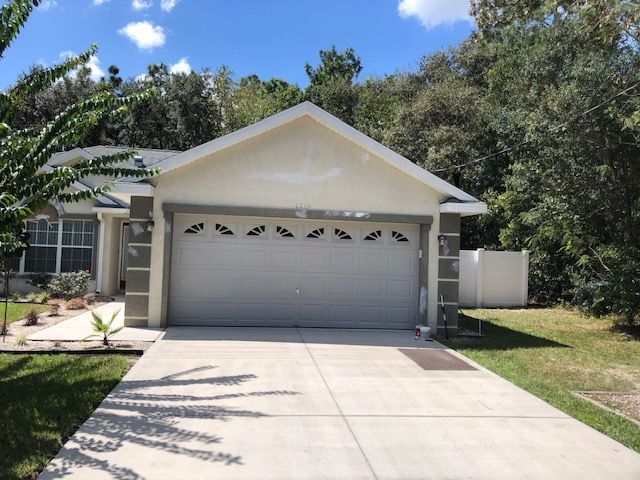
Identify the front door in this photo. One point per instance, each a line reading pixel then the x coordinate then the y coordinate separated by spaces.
pixel 124 247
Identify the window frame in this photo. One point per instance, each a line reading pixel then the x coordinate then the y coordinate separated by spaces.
pixel 59 245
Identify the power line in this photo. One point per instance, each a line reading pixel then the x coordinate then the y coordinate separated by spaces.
pixel 525 142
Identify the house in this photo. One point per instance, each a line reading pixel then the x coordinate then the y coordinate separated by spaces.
pixel 297 220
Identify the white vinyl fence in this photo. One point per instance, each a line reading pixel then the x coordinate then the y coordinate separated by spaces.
pixel 493 279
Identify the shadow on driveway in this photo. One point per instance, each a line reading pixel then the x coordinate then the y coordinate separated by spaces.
pixel 132 415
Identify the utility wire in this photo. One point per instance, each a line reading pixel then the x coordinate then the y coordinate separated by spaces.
pixel 551 130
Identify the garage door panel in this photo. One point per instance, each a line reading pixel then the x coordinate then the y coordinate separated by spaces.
pixel 343 286
pixel 267 279
pixel 285 259
pixel 400 289
pixel 372 262
pixel 402 262
pixel 370 287
pixel 343 261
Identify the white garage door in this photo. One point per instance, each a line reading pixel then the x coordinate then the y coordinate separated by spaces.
pixel 272 272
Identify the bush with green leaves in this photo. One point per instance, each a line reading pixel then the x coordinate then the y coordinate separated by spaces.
pixel 39 280
pixel 69 285
pixel 614 291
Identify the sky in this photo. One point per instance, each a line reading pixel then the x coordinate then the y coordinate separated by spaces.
pixel 270 38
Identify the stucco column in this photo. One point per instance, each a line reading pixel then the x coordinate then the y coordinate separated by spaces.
pixel 136 310
pixel 448 271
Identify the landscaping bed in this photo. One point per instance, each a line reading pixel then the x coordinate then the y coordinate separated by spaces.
pixel 44 398
pixel 623 403
pixel 554 353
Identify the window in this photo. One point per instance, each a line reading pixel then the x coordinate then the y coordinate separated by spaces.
pixel 73 246
pixel 77 245
pixel 341 234
pixel 257 231
pixel 197 228
pixel 398 237
pixel 284 232
pixel 375 235
pixel 223 230
pixel 41 256
pixel 317 233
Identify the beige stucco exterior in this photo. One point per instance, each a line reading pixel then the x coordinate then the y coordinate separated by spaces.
pixel 301 165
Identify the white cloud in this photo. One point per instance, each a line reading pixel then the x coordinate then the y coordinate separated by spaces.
pixel 432 13
pixel 168 5
pixel 48 4
pixel 96 73
pixel 141 4
pixel 144 34
pixel 99 2
pixel 182 66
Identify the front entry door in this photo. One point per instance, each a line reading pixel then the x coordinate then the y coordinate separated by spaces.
pixel 124 247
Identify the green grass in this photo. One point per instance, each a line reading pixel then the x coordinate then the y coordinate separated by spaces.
pixel 553 352
pixel 43 399
pixel 17 311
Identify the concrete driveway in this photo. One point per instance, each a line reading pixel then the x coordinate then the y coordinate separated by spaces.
pixel 238 403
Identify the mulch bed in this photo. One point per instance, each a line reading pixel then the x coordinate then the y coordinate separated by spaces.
pixel 626 404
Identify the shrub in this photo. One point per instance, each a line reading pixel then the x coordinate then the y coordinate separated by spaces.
pixel 21 341
pixel 40 280
pixel 616 292
pixel 69 285
pixel 54 309
pixel 32 297
pixel 31 318
pixel 43 297
pixel 75 304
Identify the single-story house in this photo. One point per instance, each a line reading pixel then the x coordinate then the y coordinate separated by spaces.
pixel 297 220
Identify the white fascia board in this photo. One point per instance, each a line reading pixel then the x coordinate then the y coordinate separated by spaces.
pixel 134 189
pixel 63 157
pixel 325 118
pixel 111 210
pixel 464 209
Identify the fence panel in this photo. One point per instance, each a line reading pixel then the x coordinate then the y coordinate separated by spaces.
pixel 493 279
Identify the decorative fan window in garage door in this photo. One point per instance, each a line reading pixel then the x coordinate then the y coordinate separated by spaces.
pixel 340 234
pixel 374 236
pixel 257 231
pixel 223 229
pixel 399 236
pixel 284 232
pixel 316 234
pixel 196 228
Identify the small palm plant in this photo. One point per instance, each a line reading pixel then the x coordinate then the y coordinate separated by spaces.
pixel 103 329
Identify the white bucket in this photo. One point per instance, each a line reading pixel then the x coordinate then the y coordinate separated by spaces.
pixel 422 331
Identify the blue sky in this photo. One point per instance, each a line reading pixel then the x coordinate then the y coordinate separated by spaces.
pixel 266 37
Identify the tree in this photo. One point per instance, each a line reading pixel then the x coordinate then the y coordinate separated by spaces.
pixel 26 184
pixel 331 84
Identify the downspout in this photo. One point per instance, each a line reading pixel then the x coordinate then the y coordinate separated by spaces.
pixel 100 252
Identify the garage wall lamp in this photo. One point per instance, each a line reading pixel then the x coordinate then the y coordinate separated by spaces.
pixel 442 239
pixel 150 224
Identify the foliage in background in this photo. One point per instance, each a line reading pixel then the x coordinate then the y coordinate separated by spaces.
pixel 40 280
pixel 26 184
pixel 570 195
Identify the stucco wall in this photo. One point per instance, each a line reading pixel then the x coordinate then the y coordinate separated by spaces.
pixel 301 165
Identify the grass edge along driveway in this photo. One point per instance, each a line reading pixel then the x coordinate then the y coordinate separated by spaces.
pixel 43 400
pixel 554 352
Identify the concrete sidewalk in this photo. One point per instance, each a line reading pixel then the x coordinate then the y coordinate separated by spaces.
pixel 79 327
pixel 267 403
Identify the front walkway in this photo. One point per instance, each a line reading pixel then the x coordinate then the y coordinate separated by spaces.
pixel 263 403
pixel 79 327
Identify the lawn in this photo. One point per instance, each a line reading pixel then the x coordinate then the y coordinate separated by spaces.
pixel 16 311
pixel 554 352
pixel 43 399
